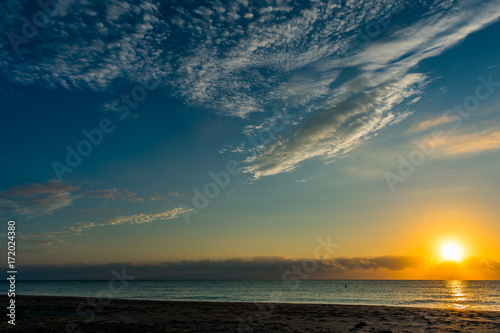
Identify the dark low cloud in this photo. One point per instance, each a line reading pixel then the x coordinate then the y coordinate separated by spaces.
pixel 36 199
pixel 272 267
pixel 236 268
pixel 393 263
pixel 33 189
pixel 42 242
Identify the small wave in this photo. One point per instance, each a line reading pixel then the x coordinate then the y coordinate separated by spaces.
pixel 204 298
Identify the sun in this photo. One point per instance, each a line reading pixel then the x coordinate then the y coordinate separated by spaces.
pixel 451 251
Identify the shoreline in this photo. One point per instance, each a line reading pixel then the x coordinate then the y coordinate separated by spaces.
pixel 81 314
pixel 263 302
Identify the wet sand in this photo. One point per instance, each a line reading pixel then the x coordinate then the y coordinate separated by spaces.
pixel 73 314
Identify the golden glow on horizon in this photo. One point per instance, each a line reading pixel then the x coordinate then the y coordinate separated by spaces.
pixel 451 251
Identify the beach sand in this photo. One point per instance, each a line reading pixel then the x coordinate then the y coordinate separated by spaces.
pixel 73 314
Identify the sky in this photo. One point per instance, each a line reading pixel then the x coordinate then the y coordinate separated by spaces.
pixel 238 139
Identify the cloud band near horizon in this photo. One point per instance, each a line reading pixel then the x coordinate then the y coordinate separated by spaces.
pixel 273 267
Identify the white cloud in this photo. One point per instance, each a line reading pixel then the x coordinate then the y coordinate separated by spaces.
pixel 78 228
pixel 369 101
pixel 87 45
pixel 429 123
pixel 243 57
pixel 487 140
pixel 234 57
pixel 146 218
pixel 335 130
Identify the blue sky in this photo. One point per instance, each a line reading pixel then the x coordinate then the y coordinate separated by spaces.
pixel 314 103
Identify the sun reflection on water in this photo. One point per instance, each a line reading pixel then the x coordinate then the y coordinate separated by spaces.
pixel 458 293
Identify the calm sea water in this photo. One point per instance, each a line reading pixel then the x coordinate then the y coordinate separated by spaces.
pixel 474 295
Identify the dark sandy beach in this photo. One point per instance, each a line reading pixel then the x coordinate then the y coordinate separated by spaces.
pixel 73 314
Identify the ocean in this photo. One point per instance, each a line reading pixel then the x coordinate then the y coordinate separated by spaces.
pixel 472 295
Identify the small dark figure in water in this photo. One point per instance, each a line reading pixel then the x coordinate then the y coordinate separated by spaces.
pixel 346 285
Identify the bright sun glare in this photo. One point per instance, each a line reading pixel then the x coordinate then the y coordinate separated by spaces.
pixel 451 251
